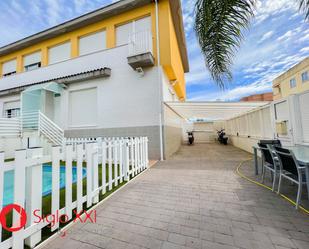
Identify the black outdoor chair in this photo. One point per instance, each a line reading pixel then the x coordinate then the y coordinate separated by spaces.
pixel 271 142
pixel 269 162
pixel 291 170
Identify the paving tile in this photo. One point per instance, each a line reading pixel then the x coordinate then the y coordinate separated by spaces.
pixel 193 200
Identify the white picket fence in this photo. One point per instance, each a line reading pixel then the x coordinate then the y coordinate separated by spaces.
pixel 123 157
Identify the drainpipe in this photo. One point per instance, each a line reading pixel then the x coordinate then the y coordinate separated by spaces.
pixel 160 81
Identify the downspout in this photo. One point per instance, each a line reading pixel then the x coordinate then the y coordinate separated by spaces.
pixel 160 81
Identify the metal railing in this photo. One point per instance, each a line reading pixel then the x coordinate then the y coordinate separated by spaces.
pixel 37 121
pixel 50 130
pixel 10 127
pixel 140 43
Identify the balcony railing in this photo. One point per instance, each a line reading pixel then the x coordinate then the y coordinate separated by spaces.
pixel 140 43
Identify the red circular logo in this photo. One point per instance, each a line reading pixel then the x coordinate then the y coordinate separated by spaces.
pixel 19 224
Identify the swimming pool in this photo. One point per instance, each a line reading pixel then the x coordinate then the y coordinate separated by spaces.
pixel 47 182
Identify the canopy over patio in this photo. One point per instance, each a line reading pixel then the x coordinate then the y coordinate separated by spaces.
pixel 213 111
pixel 35 97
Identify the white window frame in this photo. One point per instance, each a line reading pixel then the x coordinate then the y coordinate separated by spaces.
pixel 104 42
pixel 58 45
pixel 133 22
pixel 307 77
pixel 8 73
pixel 34 62
pixel 293 83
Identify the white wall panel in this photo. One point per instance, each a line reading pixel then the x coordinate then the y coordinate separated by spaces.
pixel 282 111
pixel 9 66
pixel 267 128
pixel 92 43
pixel 304 113
pixel 83 107
pixel 59 53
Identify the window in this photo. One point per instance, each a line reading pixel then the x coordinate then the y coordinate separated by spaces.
pixel 11 109
pixel 124 31
pixel 32 61
pixel 9 67
pixel 32 66
pixel 305 76
pixel 292 83
pixel 12 113
pixel 83 107
pixel 59 53
pixel 92 43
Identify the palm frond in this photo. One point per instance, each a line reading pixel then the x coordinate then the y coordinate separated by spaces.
pixel 219 25
pixel 304 6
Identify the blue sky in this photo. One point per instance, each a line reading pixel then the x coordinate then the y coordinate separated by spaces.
pixel 278 38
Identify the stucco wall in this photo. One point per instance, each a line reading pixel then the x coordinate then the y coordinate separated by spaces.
pixel 173 133
pixel 283 81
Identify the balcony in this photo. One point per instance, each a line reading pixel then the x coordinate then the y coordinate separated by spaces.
pixel 100 61
pixel 140 50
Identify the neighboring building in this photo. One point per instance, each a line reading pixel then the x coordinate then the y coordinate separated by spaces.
pixel 293 81
pixel 98 75
pixel 259 97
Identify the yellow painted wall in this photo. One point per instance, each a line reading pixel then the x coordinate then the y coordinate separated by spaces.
pixel 170 55
pixel 283 81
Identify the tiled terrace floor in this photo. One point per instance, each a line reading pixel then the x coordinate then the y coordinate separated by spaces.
pixel 193 200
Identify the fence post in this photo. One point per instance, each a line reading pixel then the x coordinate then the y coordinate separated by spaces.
pixel 89 161
pixel 68 151
pixel 146 152
pixel 121 159
pixel 95 163
pixel 34 194
pixel 110 164
pixel 127 159
pixel 55 183
pixel 143 153
pixel 136 156
pixel 1 185
pixel 104 157
pixel 116 162
pixel 139 155
pixel 79 173
pixel 132 156
pixel 19 195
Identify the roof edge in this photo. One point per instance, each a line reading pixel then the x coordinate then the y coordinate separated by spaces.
pixel 73 24
pixel 176 11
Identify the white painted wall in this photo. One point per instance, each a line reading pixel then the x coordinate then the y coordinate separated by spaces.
pixel 125 99
pixel 168 93
pixel 204 132
pixel 173 132
pixel 246 130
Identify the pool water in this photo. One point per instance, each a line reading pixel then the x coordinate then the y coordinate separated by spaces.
pixel 8 197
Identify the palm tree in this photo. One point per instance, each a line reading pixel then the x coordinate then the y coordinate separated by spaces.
pixel 219 26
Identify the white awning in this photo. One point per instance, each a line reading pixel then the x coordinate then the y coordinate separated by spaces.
pixel 213 110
